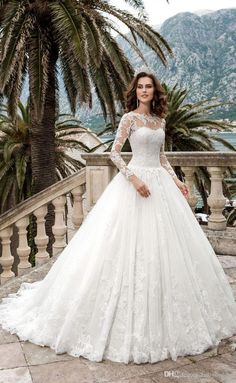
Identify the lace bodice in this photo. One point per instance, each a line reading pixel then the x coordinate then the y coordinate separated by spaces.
pixel 146 135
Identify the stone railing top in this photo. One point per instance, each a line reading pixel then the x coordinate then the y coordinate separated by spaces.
pixel 175 158
pixel 45 196
pixel 219 159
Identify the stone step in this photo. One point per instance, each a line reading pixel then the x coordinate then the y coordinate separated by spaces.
pixel 35 274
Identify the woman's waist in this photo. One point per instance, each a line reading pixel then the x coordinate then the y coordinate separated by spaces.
pixel 145 163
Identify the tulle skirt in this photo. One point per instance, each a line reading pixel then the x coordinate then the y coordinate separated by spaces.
pixel 138 282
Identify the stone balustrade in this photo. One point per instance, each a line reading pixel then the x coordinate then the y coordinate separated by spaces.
pixel 100 171
pixel 93 180
pixel 38 206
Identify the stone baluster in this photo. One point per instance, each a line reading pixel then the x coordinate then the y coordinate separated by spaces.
pixel 23 249
pixel 6 259
pixel 77 216
pixel 216 199
pixel 59 228
pixel 189 180
pixel 41 238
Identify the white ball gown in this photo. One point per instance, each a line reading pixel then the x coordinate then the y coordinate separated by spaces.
pixel 139 281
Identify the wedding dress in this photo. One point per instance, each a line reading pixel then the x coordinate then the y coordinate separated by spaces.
pixel 139 281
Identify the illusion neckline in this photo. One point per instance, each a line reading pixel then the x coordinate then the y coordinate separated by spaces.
pixel 146 115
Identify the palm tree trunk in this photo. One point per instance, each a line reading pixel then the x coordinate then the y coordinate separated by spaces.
pixel 43 138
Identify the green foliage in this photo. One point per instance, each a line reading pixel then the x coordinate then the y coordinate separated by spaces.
pixel 15 157
pixel 188 125
pixel 189 128
pixel 231 218
pixel 77 34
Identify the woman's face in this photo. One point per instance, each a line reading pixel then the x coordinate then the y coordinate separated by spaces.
pixel 145 90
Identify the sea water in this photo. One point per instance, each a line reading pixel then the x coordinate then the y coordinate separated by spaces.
pixel 231 138
pixel 228 136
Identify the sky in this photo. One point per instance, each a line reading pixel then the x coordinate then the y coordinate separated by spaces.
pixel 159 10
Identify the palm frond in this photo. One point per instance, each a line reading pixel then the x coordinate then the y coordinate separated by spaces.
pixel 21 165
pixel 149 36
pixel 226 143
pixel 39 52
pixel 70 24
pixel 14 46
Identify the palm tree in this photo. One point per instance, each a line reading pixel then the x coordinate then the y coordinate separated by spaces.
pixel 15 153
pixel 188 124
pixel 189 128
pixel 74 37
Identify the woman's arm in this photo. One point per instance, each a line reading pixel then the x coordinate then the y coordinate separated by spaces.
pixel 163 159
pixel 121 135
pixel 165 163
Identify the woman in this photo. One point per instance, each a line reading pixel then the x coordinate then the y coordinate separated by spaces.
pixel 139 281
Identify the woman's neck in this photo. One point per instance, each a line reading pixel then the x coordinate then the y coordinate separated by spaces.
pixel 143 109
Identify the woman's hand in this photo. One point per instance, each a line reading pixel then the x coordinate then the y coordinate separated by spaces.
pixel 140 186
pixel 182 186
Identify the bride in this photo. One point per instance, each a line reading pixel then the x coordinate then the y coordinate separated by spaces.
pixel 139 281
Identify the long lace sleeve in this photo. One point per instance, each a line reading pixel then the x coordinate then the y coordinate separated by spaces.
pixel 163 159
pixel 121 135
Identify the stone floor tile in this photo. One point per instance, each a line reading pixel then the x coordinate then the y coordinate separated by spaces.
pixel 7 337
pixel 227 260
pixel 219 368
pixel 233 287
pixel 11 355
pixel 15 375
pixel 166 364
pixel 136 379
pixel 107 370
pixel 186 374
pixel 71 371
pixel 231 280
pixel 232 339
pixel 227 346
pixel 207 354
pixel 41 355
pixel 229 357
pixel 231 271
pixel 183 360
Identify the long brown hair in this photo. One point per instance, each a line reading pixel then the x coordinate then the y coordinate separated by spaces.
pixel 158 107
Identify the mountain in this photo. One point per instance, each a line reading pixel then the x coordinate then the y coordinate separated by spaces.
pixel 204 59
pixel 201 12
pixel 204 47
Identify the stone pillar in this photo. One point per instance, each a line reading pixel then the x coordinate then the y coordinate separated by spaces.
pixel 189 180
pixel 59 228
pixel 216 199
pixel 23 249
pixel 77 215
pixel 41 238
pixel 6 259
pixel 97 178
